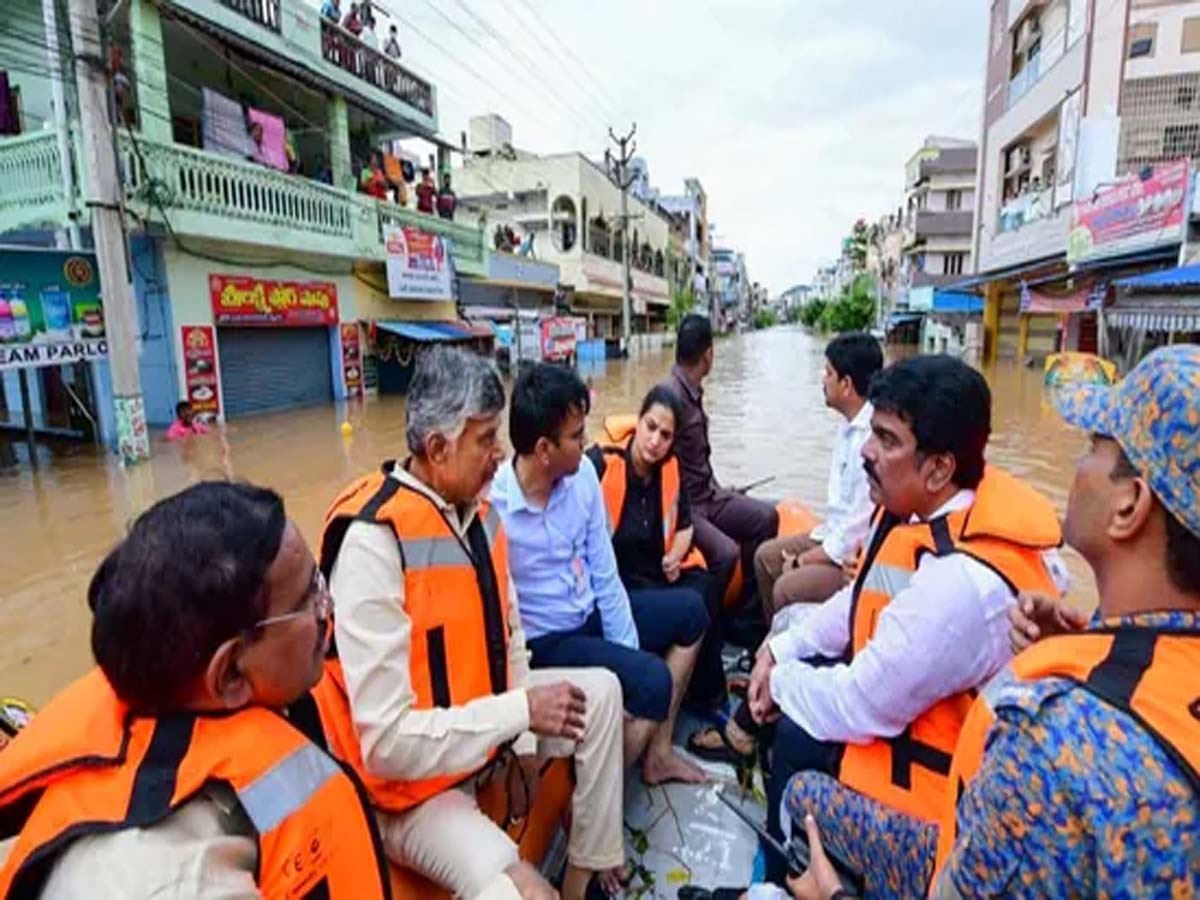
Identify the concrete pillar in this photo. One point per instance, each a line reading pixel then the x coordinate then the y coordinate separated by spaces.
pixel 150 71
pixel 1022 337
pixel 443 161
pixel 339 144
pixel 991 322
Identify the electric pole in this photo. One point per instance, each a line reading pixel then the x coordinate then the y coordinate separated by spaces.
pixel 628 148
pixel 103 200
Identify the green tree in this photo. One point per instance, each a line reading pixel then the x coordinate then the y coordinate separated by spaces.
pixel 812 312
pixel 765 318
pixel 682 303
pixel 854 310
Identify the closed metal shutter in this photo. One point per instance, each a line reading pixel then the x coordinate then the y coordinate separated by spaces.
pixel 264 369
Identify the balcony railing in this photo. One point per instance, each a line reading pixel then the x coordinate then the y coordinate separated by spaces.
pixel 343 49
pixel 183 178
pixel 31 184
pixel 264 12
pixel 1052 50
pixel 206 195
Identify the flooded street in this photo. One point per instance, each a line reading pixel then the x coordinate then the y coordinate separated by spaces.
pixel 764 401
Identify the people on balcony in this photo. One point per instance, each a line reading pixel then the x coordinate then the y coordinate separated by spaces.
pixel 447 202
pixel 392 47
pixel 332 10
pixel 368 36
pixel 372 181
pixel 426 193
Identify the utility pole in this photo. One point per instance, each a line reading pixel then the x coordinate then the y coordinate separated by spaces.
pixel 628 148
pixel 104 202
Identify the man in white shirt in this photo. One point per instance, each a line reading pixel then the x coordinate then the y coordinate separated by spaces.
pixel 872 685
pixel 809 568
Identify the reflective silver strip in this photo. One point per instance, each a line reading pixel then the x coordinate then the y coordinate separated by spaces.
pixel 886 580
pixel 286 787
pixel 430 553
pixel 491 525
pixel 1002 680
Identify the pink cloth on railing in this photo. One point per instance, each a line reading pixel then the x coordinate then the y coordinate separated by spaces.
pixel 272 150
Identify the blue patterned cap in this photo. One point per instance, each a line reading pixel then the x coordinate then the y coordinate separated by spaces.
pixel 1154 414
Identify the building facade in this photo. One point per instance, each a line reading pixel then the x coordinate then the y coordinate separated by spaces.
pixel 257 262
pixel 1084 103
pixel 565 209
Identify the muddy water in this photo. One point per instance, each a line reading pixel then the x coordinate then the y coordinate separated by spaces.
pixel 767 418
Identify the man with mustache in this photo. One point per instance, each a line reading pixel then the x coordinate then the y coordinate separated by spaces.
pixel 432 659
pixel 873 685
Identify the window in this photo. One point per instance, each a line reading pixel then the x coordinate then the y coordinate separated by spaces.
pixel 1181 140
pixel 1141 39
pixel 954 263
pixel 1191 36
pixel 953 201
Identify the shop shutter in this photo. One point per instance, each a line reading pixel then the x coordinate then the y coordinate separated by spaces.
pixel 264 369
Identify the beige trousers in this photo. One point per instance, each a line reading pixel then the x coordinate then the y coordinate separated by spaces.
pixel 448 840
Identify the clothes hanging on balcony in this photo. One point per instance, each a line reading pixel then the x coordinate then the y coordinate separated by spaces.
pixel 271 151
pixel 224 126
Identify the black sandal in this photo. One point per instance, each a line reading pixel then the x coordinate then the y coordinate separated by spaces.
pixel 726 753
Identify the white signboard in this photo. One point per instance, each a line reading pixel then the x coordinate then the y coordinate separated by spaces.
pixel 418 265
pixel 32 356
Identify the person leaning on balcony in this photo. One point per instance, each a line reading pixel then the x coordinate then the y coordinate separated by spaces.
pixel 392 47
pixel 332 10
pixel 373 181
pixel 432 659
pixel 426 193
pixel 447 202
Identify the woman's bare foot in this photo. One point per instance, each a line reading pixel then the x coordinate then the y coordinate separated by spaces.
pixel 661 767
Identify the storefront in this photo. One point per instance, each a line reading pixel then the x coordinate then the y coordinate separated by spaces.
pixel 274 346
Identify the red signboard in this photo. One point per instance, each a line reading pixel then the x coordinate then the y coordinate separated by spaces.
pixel 245 300
pixel 200 370
pixel 1133 214
pixel 351 359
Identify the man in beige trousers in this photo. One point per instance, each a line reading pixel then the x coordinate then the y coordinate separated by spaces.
pixel 416 722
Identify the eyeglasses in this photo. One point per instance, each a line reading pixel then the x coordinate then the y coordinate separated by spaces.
pixel 317 603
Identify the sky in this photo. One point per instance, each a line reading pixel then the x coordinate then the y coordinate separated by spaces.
pixel 797 116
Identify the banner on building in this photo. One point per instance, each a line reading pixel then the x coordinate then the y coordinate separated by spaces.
pixel 50 310
pixel 352 370
pixel 200 376
pixel 249 301
pixel 1074 301
pixel 1068 143
pixel 418 265
pixel 1135 214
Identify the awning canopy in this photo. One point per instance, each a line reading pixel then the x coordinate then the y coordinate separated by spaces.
pixel 957 302
pixel 1153 320
pixel 1168 280
pixel 433 332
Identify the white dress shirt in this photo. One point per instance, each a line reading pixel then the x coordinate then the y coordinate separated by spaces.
pixel 849 505
pixel 946 632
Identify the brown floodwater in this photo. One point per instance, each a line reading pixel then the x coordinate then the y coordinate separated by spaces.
pixel 767 418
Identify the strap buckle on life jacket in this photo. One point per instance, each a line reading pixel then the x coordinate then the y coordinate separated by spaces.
pixel 906 751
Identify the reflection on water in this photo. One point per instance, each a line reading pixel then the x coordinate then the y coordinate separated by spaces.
pixel 767 418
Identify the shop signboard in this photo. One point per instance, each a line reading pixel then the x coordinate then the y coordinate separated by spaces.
pixel 1137 213
pixel 200 374
pixel 559 336
pixel 352 367
pixel 418 265
pixel 50 310
pixel 244 300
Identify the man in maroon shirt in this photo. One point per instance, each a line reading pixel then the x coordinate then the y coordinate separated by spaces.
pixel 727 522
pixel 426 193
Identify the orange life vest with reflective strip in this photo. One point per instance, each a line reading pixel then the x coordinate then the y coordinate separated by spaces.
pixel 456 598
pixel 85 766
pixel 612 460
pixel 1007 528
pixel 1148 673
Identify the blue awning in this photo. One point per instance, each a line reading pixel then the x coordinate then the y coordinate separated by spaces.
pixel 956 302
pixel 421 332
pixel 1168 279
pixel 897 319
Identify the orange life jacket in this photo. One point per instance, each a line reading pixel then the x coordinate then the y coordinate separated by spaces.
pixel 456 598
pixel 611 460
pixel 1147 673
pixel 84 765
pixel 1008 528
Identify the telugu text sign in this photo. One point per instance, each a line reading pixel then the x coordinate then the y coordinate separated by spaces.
pixel 1135 214
pixel 249 301
pixel 418 265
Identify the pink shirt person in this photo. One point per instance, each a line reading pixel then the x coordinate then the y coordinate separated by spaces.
pixel 185 424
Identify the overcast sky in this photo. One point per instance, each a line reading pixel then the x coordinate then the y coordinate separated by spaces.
pixel 796 115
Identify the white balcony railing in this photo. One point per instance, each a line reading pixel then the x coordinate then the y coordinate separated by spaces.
pixel 1030 207
pixel 1052 50
pixel 31 184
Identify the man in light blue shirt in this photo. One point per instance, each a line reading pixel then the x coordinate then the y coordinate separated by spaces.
pixel 574 609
